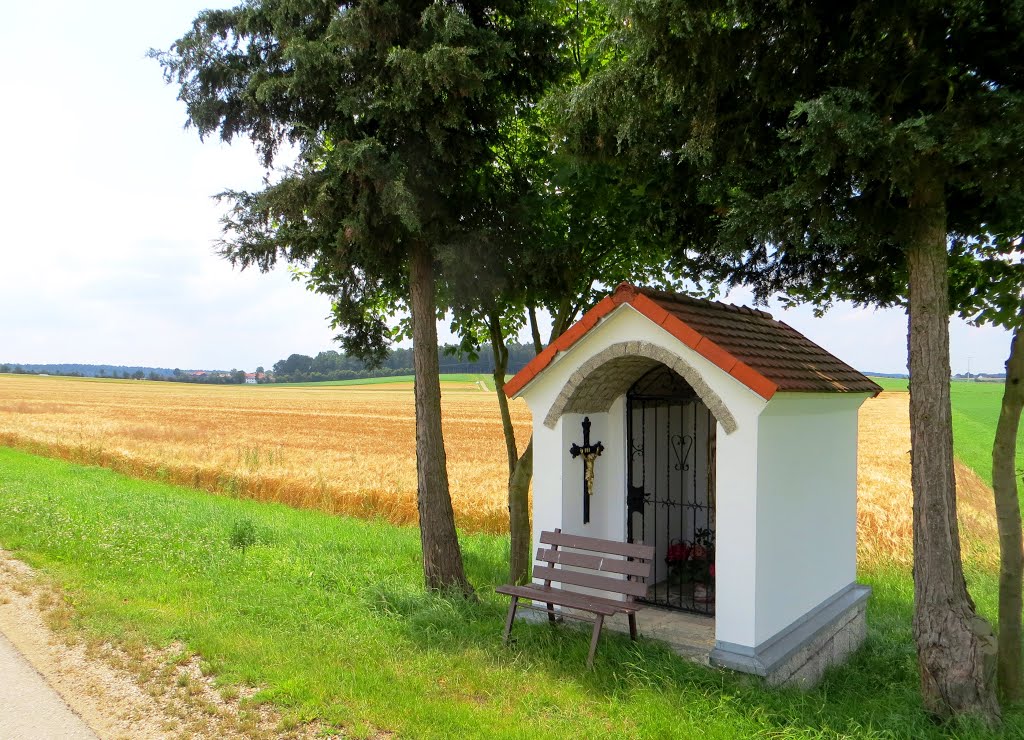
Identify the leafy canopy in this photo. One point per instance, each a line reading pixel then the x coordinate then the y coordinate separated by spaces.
pixel 392 111
pixel 802 131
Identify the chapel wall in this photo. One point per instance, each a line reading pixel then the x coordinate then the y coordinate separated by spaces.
pixel 806 505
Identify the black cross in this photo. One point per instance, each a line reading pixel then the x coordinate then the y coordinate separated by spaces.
pixel 589 453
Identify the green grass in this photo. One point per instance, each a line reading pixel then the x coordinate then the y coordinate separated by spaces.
pixel 445 378
pixel 892 384
pixel 329 617
pixel 975 413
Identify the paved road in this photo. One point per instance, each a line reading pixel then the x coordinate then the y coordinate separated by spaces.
pixel 29 707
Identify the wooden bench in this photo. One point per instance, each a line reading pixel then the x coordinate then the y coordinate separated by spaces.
pixel 616 558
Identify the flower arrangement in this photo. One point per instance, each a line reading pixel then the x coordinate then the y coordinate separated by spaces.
pixel 693 562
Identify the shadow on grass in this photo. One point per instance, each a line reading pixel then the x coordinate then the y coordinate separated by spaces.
pixel 875 694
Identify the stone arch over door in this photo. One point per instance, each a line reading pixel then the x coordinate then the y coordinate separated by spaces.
pixel 609 374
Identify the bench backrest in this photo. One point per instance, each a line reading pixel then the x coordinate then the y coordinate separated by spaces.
pixel 602 556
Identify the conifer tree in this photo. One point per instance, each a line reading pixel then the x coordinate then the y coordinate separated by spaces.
pixel 391 110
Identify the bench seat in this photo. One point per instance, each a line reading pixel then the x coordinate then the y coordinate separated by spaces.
pixel 606 566
pixel 571 599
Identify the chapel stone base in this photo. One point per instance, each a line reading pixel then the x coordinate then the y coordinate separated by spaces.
pixel 799 655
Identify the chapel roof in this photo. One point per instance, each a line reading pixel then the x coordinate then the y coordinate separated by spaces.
pixel 764 354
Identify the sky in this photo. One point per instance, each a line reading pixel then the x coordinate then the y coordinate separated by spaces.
pixel 107 244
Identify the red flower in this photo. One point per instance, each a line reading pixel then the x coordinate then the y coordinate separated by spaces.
pixel 678 552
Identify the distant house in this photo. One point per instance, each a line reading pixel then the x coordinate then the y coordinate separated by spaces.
pixel 198 374
pixel 253 378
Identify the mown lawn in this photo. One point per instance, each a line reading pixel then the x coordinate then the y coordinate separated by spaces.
pixel 327 615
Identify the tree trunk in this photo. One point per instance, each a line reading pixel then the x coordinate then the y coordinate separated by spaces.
pixel 519 517
pixel 1011 542
pixel 520 469
pixel 955 647
pixel 500 352
pixel 442 558
pixel 538 345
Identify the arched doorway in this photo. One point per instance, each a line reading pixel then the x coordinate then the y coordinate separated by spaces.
pixel 670 495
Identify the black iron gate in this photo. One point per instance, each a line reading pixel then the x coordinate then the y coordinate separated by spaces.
pixel 670 499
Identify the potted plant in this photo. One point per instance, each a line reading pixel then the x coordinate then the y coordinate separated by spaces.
pixel 702 566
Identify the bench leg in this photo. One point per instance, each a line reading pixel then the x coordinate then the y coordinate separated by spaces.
pixel 511 618
pixel 632 626
pixel 551 613
pixel 598 623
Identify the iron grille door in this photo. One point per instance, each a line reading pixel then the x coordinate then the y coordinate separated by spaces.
pixel 670 496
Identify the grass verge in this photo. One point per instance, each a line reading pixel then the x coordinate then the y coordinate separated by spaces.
pixel 328 618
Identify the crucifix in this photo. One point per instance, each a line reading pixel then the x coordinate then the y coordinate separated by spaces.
pixel 589 453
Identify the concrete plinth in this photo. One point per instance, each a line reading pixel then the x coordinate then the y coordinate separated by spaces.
pixel 800 655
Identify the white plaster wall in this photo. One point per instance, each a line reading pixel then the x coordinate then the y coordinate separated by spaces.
pixel 736 474
pixel 806 505
pixel 547 480
pixel 608 501
pixel 736 534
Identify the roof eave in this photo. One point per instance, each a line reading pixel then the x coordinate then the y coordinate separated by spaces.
pixel 626 294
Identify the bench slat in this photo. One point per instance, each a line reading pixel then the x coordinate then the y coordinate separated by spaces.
pixel 605 583
pixel 560 597
pixel 595 562
pixel 625 549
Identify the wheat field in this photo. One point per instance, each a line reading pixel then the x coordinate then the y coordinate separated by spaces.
pixel 351 449
pixel 342 449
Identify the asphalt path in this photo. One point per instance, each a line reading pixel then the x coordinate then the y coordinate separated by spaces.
pixel 29 707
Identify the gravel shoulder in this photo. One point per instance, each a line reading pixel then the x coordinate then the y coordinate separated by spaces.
pixel 113 691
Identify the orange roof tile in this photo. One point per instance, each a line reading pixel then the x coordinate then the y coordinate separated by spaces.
pixel 764 354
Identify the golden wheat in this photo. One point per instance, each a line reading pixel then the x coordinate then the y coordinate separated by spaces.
pixel 884 498
pixel 351 449
pixel 340 449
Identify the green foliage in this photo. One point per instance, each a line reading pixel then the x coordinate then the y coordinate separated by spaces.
pixel 331 365
pixel 329 618
pixel 395 110
pixel 562 228
pixel 799 134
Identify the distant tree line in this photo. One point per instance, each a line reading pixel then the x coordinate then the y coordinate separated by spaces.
pixel 79 370
pixel 296 368
pixel 332 365
pixel 129 372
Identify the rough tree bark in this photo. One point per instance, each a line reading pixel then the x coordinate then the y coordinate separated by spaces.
pixel 442 558
pixel 1008 520
pixel 956 648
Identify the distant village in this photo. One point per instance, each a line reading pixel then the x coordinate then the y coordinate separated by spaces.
pixel 200 376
